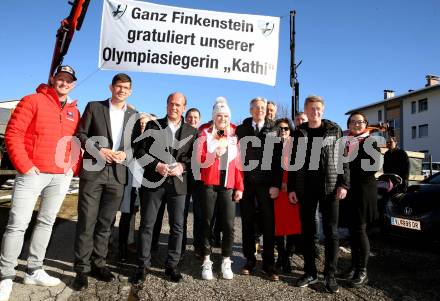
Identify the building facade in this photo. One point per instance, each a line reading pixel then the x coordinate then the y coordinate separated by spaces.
pixel 414 117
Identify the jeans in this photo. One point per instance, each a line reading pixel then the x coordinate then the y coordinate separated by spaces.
pixel 27 188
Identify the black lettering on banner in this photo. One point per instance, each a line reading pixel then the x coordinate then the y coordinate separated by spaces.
pixel 138 14
pixel 149 57
pixel 226 44
pixel 253 66
pixel 196 20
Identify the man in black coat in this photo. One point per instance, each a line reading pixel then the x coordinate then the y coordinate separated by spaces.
pixel 102 179
pixel 321 179
pixel 167 145
pixel 257 183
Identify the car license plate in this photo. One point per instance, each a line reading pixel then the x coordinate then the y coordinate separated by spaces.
pixel 405 223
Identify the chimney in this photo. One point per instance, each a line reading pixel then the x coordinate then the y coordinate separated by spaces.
pixel 388 94
pixel 431 80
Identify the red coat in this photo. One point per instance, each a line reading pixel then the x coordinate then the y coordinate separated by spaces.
pixel 287 215
pixel 36 125
pixel 210 175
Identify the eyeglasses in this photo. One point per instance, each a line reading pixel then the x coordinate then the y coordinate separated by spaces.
pixel 284 128
pixel 357 122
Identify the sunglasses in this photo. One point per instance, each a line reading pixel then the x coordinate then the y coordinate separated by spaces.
pixel 286 128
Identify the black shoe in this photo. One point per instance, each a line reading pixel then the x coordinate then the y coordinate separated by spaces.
pixel 174 274
pixel 103 274
pixel 271 272
pixel 331 286
pixel 360 279
pixel 248 268
pixel 306 280
pixel 80 282
pixel 139 275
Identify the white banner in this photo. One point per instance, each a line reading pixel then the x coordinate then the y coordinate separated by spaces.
pixel 141 36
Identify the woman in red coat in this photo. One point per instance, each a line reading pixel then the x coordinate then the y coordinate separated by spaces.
pixel 222 176
pixel 287 221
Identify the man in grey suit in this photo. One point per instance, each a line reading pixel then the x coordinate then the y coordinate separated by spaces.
pixel 102 179
pixel 168 145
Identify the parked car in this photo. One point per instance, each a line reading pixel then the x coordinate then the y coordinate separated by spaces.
pixel 416 212
pixel 426 168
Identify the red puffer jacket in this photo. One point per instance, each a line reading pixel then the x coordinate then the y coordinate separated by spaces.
pixel 210 173
pixel 36 125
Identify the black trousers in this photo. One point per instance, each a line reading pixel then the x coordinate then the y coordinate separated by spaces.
pixel 360 246
pixel 158 224
pixel 125 220
pixel 329 207
pixel 285 246
pixel 150 203
pixel 159 221
pixel 198 216
pixel 98 202
pixel 257 193
pixel 220 197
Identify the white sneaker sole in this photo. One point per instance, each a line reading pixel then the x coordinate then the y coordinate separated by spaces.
pixel 208 277
pixel 228 277
pixel 34 282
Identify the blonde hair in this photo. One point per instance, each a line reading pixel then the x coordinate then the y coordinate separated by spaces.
pixel 313 98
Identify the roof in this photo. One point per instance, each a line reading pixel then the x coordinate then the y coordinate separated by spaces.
pixel 395 98
pixel 8 104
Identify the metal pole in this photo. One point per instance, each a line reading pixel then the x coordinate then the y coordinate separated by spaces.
pixel 293 75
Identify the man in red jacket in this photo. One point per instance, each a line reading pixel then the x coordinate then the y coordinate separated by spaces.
pixel 39 142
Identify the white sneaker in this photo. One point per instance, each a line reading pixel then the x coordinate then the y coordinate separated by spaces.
pixel 40 277
pixel 5 289
pixel 226 269
pixel 207 270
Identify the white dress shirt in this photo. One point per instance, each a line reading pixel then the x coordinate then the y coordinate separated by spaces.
pixel 117 124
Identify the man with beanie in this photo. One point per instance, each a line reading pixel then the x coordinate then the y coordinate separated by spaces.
pixel 38 124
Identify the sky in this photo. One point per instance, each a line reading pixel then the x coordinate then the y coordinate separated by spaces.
pixel 350 50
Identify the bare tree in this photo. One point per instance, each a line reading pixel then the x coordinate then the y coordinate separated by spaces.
pixel 283 110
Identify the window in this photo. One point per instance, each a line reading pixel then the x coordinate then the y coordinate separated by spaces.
pixel 423 130
pixel 413 107
pixel 423 105
pixel 414 132
pixel 379 115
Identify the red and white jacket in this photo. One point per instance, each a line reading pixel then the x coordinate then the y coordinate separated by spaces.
pixel 210 164
pixel 36 126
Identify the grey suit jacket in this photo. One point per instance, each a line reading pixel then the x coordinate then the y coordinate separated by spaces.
pixel 96 122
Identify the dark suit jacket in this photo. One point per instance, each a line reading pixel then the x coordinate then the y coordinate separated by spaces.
pixel 157 144
pixel 96 122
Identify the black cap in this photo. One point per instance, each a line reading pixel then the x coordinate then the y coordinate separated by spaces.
pixel 66 69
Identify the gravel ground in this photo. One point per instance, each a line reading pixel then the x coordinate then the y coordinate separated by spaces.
pixel 398 270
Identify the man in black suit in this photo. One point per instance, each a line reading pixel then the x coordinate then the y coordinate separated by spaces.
pixel 102 179
pixel 167 144
pixel 257 183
